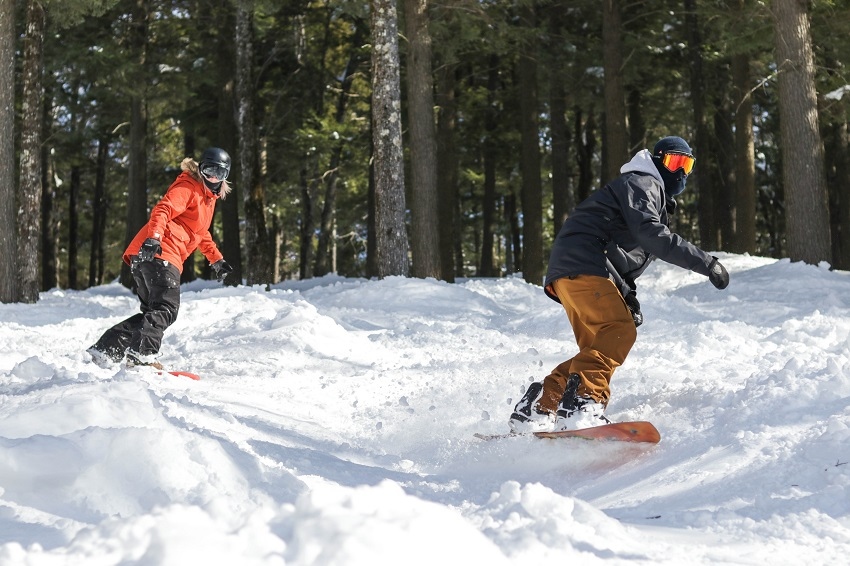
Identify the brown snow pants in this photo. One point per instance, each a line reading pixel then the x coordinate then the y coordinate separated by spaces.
pixel 604 331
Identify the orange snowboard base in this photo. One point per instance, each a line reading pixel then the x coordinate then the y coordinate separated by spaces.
pixel 188 374
pixel 635 431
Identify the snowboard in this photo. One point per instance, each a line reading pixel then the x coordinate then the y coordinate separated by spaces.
pixel 188 374
pixel 633 431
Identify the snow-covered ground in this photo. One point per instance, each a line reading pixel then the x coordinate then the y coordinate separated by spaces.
pixel 334 421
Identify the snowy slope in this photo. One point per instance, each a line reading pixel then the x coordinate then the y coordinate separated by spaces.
pixel 333 426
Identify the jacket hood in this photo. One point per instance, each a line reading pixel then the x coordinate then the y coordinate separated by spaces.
pixel 190 166
pixel 642 163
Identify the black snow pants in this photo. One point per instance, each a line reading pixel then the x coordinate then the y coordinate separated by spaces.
pixel 158 288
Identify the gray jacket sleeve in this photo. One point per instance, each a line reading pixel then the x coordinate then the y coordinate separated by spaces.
pixel 642 213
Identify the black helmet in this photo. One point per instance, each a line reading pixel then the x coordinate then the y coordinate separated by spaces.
pixel 674 160
pixel 215 162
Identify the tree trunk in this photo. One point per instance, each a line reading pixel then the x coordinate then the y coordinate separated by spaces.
pixel 615 149
pixel 514 247
pixel 457 240
pixel 563 199
pixel 231 246
pixel 371 228
pixel 73 227
pixel 424 226
pixel 803 175
pixel 637 124
pixel 308 226
pixel 447 168
pixel 723 171
pixel 532 189
pixel 189 273
pixel 745 184
pixel 308 173
pixel 840 187
pixel 99 208
pixel 707 224
pixel 49 242
pixel 324 247
pixel 29 203
pixel 137 195
pixel 325 256
pixel 487 265
pixel 274 240
pixel 8 182
pixel 584 134
pixel 391 246
pixel 137 190
pixel 257 261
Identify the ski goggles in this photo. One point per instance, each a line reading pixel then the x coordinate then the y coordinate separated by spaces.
pixel 675 161
pixel 212 170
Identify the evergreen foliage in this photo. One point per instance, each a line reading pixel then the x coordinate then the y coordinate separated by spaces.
pixel 312 104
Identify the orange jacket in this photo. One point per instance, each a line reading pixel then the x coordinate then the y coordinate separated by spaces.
pixel 181 221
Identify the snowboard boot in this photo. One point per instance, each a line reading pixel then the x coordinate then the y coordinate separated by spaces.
pixel 576 412
pixel 135 359
pixel 103 359
pixel 526 417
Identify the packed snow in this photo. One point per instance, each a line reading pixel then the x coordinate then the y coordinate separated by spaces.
pixel 333 425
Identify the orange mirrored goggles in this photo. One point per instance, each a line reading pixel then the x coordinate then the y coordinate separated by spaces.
pixel 675 161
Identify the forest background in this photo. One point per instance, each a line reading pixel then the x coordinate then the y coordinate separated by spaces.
pixel 412 137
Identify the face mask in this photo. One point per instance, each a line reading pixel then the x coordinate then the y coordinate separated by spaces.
pixel 674 181
pixel 215 188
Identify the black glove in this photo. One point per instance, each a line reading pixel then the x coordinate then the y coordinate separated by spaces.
pixel 718 275
pixel 634 308
pixel 149 249
pixel 222 270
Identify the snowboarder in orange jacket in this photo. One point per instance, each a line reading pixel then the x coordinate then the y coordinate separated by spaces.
pixel 179 224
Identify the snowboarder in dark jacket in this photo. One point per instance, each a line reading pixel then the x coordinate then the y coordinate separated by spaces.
pixel 605 244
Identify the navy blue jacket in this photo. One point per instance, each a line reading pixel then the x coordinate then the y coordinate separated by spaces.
pixel 618 230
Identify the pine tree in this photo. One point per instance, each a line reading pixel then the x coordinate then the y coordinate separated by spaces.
pixel 391 233
pixel 8 208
